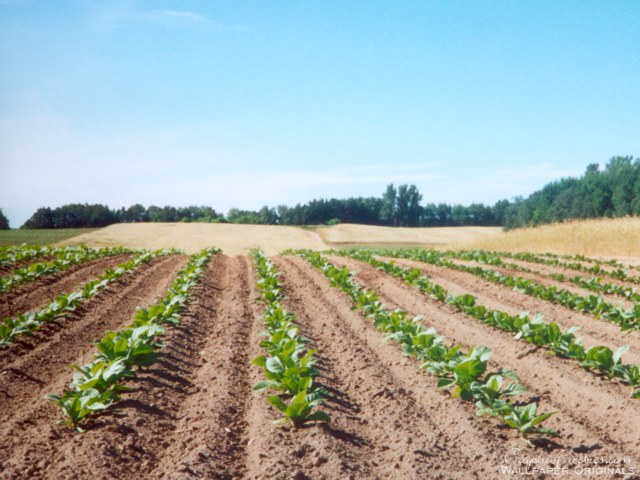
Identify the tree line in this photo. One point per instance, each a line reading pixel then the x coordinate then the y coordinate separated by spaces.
pixel 613 191
pixel 78 215
pixel 397 207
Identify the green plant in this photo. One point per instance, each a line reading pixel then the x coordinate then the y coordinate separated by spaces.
pixel 101 375
pixel 526 420
pixel 134 346
pixel 290 366
pixel 300 410
pixel 604 359
pixel 78 404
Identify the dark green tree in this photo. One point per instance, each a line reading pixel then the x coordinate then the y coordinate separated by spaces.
pixel 408 207
pixel 388 213
pixel 4 221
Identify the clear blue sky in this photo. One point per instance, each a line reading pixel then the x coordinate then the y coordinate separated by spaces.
pixel 247 103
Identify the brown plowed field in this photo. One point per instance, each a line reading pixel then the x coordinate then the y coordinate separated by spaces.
pixel 194 414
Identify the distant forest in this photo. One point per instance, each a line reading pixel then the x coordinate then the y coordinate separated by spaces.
pixel 612 192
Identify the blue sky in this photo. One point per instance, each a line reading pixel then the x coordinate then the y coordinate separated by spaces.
pixel 232 103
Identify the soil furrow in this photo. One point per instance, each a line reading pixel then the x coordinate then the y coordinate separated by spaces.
pixel 585 420
pixel 10 267
pixel 395 404
pixel 314 451
pixel 34 295
pixel 209 439
pixel 29 422
pixel 499 297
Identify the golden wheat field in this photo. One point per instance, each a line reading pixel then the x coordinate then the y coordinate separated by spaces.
pixel 618 237
pixel 607 237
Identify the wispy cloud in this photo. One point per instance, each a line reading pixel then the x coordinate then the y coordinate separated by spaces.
pixel 191 16
pixel 114 15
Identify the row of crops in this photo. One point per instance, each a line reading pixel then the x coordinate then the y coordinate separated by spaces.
pixel 28 322
pixel 289 362
pixel 464 373
pixel 98 384
pixel 564 343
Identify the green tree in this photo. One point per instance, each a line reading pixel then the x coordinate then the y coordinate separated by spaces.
pixel 4 221
pixel 268 216
pixel 622 176
pixel 388 213
pixel 408 207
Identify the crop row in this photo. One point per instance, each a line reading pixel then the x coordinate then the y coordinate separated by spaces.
pixel 289 366
pixel 97 385
pixel 598 261
pixel 620 273
pixel 464 374
pixel 598 358
pixel 595 284
pixel 627 319
pixel 27 323
pixel 65 259
pixel 12 254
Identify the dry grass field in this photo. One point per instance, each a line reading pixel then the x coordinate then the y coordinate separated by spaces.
pixel 618 237
pixel 367 235
pixel 608 237
pixel 192 237
pixel 239 239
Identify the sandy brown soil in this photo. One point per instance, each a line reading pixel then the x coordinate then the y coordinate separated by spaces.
pixel 585 402
pixel 33 295
pixel 194 415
